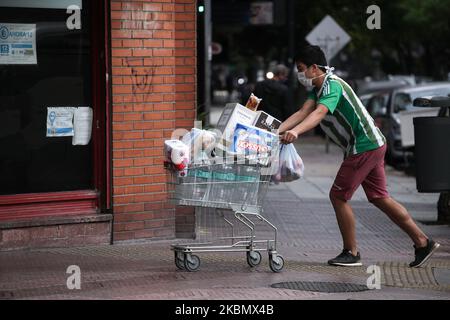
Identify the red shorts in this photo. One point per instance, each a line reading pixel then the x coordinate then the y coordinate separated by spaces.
pixel 366 169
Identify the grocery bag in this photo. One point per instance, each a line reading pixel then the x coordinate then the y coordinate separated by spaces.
pixel 290 165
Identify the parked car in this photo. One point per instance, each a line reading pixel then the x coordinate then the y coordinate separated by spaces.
pixel 372 87
pixel 393 111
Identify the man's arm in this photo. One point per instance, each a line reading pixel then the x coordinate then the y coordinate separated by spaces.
pixel 298 117
pixel 311 121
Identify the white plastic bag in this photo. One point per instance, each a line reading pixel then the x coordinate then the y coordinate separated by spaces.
pixel 290 165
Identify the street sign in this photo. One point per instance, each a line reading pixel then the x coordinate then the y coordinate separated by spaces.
pixel 329 36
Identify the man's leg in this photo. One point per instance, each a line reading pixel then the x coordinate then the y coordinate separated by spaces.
pixel 400 216
pixel 375 187
pixel 346 222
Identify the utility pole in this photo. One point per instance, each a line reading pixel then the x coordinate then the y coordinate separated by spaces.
pixel 291 52
pixel 204 57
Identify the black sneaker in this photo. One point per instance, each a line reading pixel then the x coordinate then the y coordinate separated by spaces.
pixel 424 253
pixel 346 259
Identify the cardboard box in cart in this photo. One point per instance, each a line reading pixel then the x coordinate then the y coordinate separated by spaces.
pixel 232 114
pixel 265 121
pixel 253 143
pixel 235 113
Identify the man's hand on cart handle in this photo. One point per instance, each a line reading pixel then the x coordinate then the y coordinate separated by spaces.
pixel 288 137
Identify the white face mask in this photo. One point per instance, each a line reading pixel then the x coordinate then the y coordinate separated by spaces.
pixel 308 82
pixel 304 81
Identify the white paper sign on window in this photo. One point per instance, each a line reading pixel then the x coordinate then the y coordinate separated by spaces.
pixel 60 121
pixel 17 43
pixel 83 117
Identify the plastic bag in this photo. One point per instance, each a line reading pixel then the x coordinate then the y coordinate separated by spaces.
pixel 290 165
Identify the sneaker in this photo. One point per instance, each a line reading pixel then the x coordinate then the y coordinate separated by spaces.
pixel 424 253
pixel 346 259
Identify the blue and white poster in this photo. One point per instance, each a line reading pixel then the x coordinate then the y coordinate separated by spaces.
pixel 60 121
pixel 18 43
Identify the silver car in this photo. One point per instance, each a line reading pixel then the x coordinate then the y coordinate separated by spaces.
pixel 393 112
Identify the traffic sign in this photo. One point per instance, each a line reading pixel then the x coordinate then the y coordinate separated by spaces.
pixel 329 36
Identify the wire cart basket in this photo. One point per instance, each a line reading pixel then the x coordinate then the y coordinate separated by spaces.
pixel 228 186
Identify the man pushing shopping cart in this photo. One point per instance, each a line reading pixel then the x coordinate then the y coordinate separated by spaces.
pixel 333 104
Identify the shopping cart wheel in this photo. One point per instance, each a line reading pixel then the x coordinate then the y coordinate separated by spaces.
pixel 191 262
pixel 179 260
pixel 253 258
pixel 276 262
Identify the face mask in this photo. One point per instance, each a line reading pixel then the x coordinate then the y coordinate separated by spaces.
pixel 304 81
pixel 308 82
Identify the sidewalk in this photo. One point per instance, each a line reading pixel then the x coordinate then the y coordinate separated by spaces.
pixel 307 237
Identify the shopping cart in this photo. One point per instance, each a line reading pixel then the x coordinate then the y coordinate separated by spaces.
pixel 238 188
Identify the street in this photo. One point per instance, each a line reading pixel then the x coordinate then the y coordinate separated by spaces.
pixel 307 237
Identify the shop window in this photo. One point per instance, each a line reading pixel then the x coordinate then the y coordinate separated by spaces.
pixel 53 70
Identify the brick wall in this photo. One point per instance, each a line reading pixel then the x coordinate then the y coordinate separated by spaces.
pixel 154 92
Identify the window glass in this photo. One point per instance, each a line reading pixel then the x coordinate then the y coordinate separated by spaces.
pixel 59 77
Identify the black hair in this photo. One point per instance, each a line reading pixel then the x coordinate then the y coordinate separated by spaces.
pixel 310 55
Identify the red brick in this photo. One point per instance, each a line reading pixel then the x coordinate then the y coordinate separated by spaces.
pixel 133 153
pixel 143 125
pixel 142 162
pixel 129 208
pixel 134 116
pixel 164 70
pixel 122 181
pixel 163 124
pixel 121 71
pixel 143 144
pixel 132 43
pixel 154 62
pixel 133 171
pixel 140 15
pixel 117 34
pixel 142 52
pixel 153 7
pixel 132 5
pixel 162 34
pixel 120 163
pixel 133 61
pixel 184 17
pixel 143 179
pixel 123 126
pixel 153 43
pixel 122 144
pixel 116 6
pixel 163 52
pixel 133 25
pixel 143 34
pixel 120 15
pixel 153 116
pixel 168 25
pixel 162 16
pixel 121 52
pixel 153 25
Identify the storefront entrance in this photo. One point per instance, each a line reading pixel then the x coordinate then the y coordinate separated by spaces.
pixel 52 61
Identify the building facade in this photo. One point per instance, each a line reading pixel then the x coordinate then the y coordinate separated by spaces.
pixel 133 63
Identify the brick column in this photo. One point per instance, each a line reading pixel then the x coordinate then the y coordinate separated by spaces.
pixel 154 92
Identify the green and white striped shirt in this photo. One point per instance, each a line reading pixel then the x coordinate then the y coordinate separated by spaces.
pixel 347 122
